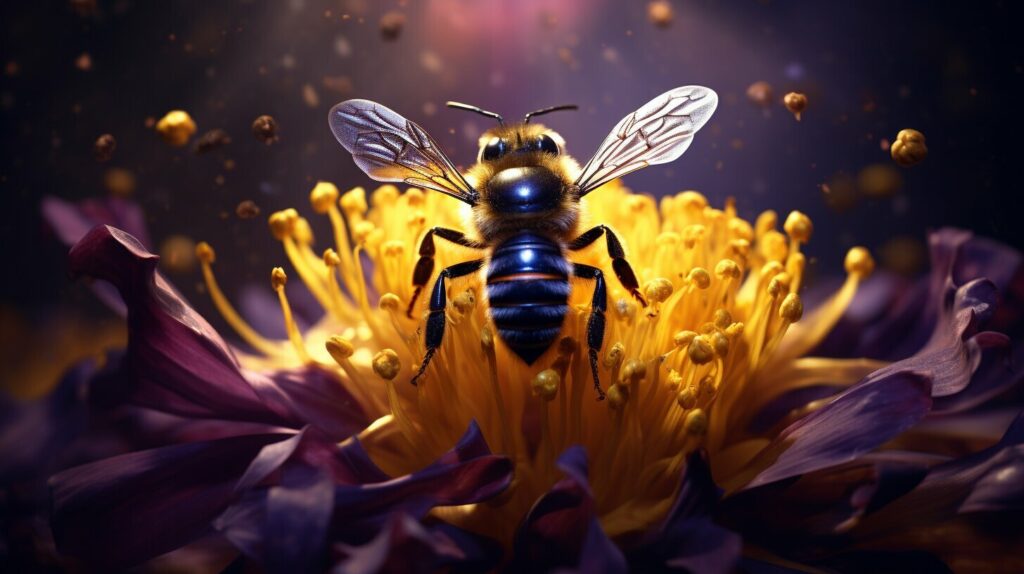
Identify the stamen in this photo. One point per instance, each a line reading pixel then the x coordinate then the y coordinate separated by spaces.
pixel 283 226
pixel 545 385
pixel 206 256
pixel 386 365
pixel 487 344
pixel 278 280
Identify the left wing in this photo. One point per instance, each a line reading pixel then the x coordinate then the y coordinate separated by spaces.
pixel 658 132
pixel 389 147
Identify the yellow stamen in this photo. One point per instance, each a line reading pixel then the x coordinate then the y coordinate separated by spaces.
pixel 278 280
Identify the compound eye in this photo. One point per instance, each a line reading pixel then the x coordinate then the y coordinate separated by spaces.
pixel 494 149
pixel 546 144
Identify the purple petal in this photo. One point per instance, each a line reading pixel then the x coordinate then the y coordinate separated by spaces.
pixel 406 545
pixel 857 421
pixel 126 509
pixel 561 531
pixel 298 514
pixel 72 221
pixel 177 363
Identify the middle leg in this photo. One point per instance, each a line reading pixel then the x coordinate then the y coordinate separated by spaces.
pixel 623 270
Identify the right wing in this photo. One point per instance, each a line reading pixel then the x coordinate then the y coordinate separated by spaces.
pixel 389 147
pixel 658 132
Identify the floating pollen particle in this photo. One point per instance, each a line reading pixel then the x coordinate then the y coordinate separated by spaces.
pixel 879 180
pixel 391 25
pixel 796 103
pixel 178 254
pixel 338 84
pixel 904 255
pixel 119 182
pixel 176 128
pixel 660 13
pixel 247 209
pixel 212 140
pixel 103 148
pixel 760 93
pixel 265 129
pixel 84 62
pixel 909 148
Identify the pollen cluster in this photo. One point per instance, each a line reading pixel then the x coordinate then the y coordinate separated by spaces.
pixel 724 319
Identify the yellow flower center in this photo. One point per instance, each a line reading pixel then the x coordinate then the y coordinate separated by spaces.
pixel 679 375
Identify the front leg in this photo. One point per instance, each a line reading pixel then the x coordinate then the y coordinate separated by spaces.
pixel 425 264
pixel 438 302
pixel 623 270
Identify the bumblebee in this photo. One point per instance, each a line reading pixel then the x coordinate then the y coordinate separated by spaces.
pixel 525 194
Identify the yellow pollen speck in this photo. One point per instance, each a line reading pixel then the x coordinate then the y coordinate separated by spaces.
pixel 545 384
pixel 658 290
pixel 674 379
pixel 859 262
pixel 486 338
pixel 176 127
pixel 465 301
pixel 615 356
pixel 700 350
pixel 699 277
pixel 323 196
pixel 727 268
pixel 278 278
pixel 389 302
pixel 798 226
pixel 696 423
pixel 792 308
pixel 684 338
pixel 618 396
pixel 386 364
pixel 354 201
pixel 339 348
pixel 205 253
pixel 687 398
pixel 634 370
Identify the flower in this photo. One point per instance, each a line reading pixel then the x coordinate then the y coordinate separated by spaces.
pixel 323 454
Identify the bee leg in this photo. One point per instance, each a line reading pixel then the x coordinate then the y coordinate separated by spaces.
pixel 623 270
pixel 425 264
pixel 595 325
pixel 438 302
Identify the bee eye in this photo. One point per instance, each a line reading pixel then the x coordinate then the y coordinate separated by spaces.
pixel 494 149
pixel 546 144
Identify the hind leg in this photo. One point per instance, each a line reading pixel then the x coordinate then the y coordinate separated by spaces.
pixel 596 322
pixel 438 302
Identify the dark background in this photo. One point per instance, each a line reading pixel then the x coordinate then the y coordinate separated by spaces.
pixel 953 71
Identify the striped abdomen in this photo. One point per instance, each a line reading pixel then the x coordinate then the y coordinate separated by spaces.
pixel 528 293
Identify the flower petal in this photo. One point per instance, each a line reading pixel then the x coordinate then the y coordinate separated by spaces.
pixel 178 363
pixel 561 531
pixel 855 422
pixel 123 510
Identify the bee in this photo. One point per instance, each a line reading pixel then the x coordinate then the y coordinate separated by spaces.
pixel 525 203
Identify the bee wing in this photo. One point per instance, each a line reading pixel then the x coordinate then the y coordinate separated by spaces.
pixel 658 132
pixel 389 147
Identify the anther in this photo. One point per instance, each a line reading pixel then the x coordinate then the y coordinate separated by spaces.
pixel 774 287
pixel 792 308
pixel 684 338
pixel 675 380
pixel 386 364
pixel 339 348
pixel 706 386
pixel 618 396
pixel 278 278
pixel 859 262
pixel 394 248
pixel 699 277
pixel 280 224
pixel 331 258
pixel 721 344
pixel 722 318
pixel 545 384
pixel 353 202
pixel 323 196
pixel 772 245
pixel 634 371
pixel 798 226
pixel 734 329
pixel 696 423
pixel 692 200
pixel 414 197
pixel 700 350
pixel 658 290
pixel 765 222
pixel 205 253
pixel 740 229
pixel 687 398
pixel 362 230
pixel 302 231
pixel 389 302
pixel 727 268
pixel 614 356
pixel 667 238
pixel 692 234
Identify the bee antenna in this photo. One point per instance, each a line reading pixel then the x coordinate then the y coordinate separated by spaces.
pixel 541 112
pixel 469 108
